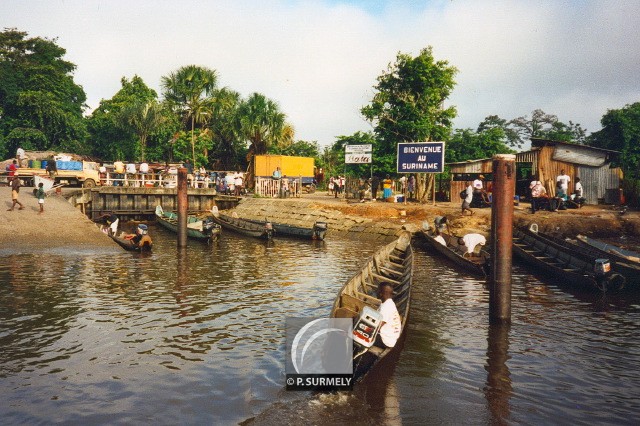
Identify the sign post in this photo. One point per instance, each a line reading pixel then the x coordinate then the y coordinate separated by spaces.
pixel 358 154
pixel 421 157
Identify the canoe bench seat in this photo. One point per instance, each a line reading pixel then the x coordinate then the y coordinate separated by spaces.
pixel 351 306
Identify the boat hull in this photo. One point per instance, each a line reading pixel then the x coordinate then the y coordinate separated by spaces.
pixel 477 265
pixel 391 264
pixel 243 227
pixel 170 222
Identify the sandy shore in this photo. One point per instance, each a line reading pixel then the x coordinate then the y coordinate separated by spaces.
pixel 60 226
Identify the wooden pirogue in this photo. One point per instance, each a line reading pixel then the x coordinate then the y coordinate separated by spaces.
pixel 316 232
pixel 244 227
pixel 571 267
pixel 391 264
pixel 140 241
pixel 198 228
pixel 477 265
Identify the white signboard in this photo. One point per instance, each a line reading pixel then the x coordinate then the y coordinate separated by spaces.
pixel 357 154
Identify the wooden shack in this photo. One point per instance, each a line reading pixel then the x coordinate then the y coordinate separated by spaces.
pixel 601 183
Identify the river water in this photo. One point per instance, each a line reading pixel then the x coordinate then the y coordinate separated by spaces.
pixel 198 338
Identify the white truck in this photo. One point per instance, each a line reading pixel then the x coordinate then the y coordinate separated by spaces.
pixel 88 177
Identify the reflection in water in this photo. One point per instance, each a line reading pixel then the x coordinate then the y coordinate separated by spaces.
pixel 197 336
pixel 498 389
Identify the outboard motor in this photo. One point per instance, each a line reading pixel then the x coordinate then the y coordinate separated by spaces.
pixel 319 228
pixel 605 277
pixel 367 326
pixel 142 229
pixel 208 224
pixel 268 227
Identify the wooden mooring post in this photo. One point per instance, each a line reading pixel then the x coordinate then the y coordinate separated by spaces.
pixel 504 183
pixel 183 205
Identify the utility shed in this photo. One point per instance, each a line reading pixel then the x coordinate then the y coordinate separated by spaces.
pixel 600 182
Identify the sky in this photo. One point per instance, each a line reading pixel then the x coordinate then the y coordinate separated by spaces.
pixel 319 60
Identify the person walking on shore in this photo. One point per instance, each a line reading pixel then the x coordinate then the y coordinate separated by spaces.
pixel 15 190
pixel 40 197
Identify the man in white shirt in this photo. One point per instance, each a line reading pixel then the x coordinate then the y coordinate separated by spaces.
pixel 564 180
pixel 391 323
pixel 470 241
pixel 21 157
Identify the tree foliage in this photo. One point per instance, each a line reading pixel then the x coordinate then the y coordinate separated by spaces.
pixel 621 132
pixel 408 105
pixel 465 144
pixel 541 125
pixel 408 101
pixel 112 138
pixel 188 92
pixel 40 104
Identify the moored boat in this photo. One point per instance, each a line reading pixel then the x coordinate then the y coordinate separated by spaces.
pixel 477 264
pixel 316 232
pixel 244 227
pixel 551 258
pixel 392 264
pixel 615 252
pixel 198 228
pixel 140 241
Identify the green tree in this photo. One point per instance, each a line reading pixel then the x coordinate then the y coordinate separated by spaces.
pixel 111 138
pixel 262 124
pixel 408 105
pixel 298 149
pixel 229 149
pixel 465 144
pixel 188 92
pixel 621 132
pixel 357 170
pixel 144 119
pixel 40 104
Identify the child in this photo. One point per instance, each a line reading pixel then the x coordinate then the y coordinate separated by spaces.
pixel 40 196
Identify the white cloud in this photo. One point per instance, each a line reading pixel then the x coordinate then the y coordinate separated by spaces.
pixel 320 59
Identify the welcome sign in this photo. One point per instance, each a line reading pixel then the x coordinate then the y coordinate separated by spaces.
pixel 420 157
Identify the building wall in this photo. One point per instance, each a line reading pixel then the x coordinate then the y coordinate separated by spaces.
pixel 596 180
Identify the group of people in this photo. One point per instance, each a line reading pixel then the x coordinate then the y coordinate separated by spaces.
pixel 336 185
pixel 541 200
pixel 15 183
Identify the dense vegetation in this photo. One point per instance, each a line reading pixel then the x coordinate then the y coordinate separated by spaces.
pixel 41 108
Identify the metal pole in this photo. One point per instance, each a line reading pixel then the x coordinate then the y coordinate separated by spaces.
pixel 182 207
pixel 504 178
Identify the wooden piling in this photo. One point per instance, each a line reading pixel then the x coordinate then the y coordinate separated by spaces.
pixel 504 183
pixel 183 204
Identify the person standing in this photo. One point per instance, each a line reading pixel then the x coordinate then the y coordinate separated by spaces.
pixel 15 190
pixel 52 168
pixel 375 185
pixel 563 180
pixel 12 169
pixel 40 196
pixel 411 186
pixel 21 157
pixel 466 202
pixel 387 183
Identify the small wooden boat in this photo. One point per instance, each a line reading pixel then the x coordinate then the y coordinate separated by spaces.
pixel 613 252
pixel 391 264
pixel 244 227
pixel 316 232
pixel 570 267
pixel 198 228
pixel 477 265
pixel 131 243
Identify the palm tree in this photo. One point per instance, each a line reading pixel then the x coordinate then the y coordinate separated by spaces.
pixel 144 118
pixel 261 123
pixel 226 132
pixel 188 92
